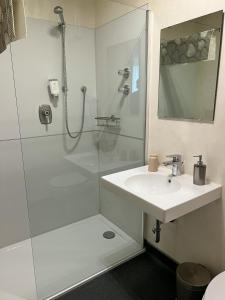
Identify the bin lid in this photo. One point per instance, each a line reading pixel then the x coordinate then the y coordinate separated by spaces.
pixel 216 288
pixel 193 275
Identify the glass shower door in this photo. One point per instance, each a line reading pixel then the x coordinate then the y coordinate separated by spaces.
pixel 78 228
pixel 121 91
pixel 61 173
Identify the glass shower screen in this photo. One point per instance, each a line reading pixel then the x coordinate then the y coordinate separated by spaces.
pixel 78 228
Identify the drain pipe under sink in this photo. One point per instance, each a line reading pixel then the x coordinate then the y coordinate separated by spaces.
pixel 157 230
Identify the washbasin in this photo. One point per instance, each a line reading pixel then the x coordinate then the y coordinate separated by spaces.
pixel 152 184
pixel 153 192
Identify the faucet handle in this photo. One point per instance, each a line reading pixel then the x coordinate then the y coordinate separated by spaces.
pixel 175 157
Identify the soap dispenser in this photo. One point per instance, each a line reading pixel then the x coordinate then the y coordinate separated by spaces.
pixel 199 176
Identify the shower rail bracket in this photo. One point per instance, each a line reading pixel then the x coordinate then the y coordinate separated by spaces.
pixel 111 121
pixel 125 73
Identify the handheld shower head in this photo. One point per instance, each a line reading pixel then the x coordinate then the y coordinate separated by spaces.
pixel 83 89
pixel 58 10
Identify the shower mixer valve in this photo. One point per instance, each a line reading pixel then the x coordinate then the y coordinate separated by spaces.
pixel 45 114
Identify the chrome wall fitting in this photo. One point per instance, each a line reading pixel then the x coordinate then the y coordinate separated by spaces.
pixel 125 73
pixel 45 114
pixel 111 121
pixel 157 230
pixel 125 90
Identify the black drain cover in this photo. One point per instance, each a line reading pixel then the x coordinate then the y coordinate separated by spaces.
pixel 109 235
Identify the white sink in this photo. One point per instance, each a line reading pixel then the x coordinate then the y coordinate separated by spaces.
pixel 156 195
pixel 152 184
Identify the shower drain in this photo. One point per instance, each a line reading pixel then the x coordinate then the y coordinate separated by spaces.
pixel 109 235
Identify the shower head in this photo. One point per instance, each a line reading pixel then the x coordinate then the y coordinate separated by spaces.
pixel 58 10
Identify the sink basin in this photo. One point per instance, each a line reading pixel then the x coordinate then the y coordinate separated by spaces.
pixel 153 192
pixel 150 184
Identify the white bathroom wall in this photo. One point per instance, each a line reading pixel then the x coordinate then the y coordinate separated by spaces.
pixel 86 13
pixel 135 3
pixel 38 58
pixel 107 11
pixel 19 18
pixel 199 236
pixel 79 12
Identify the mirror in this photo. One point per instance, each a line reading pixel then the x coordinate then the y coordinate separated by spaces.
pixel 189 64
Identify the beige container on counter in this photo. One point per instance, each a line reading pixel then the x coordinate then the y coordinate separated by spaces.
pixel 153 163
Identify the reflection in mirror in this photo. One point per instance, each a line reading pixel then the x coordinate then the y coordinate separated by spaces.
pixel 189 64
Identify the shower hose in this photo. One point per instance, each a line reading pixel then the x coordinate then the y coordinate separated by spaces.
pixel 65 90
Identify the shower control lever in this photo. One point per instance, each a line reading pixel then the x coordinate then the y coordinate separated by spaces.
pixel 125 73
pixel 125 90
pixel 45 114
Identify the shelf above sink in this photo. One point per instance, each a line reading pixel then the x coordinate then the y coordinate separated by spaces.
pixel 156 195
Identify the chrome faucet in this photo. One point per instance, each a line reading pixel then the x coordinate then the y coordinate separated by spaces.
pixel 176 163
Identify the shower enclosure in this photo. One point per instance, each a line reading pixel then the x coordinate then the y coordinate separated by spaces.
pixel 79 229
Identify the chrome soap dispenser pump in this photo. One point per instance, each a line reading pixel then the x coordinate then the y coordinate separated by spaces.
pixel 199 176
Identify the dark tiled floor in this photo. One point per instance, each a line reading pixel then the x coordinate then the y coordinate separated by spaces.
pixel 146 277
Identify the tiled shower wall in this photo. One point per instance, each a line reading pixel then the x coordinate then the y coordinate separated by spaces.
pixel 51 178
pixel 59 191
pixel 37 59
